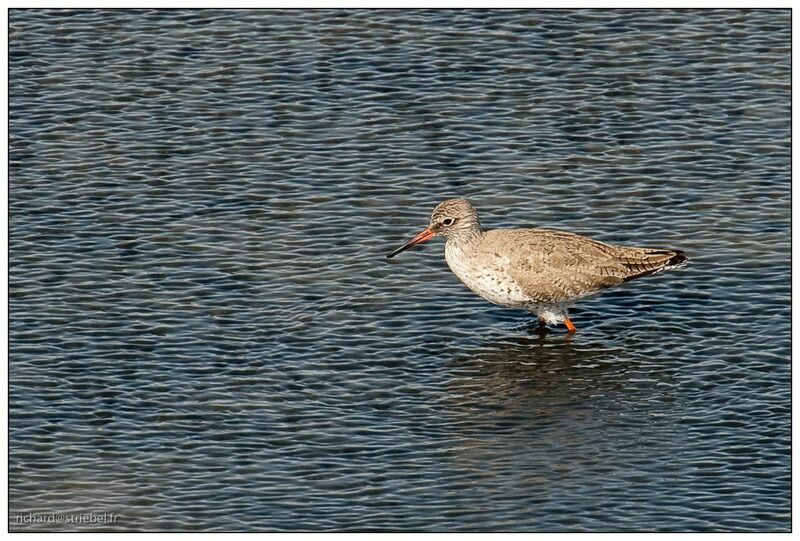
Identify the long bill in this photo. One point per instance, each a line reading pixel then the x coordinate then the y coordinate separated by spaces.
pixel 426 234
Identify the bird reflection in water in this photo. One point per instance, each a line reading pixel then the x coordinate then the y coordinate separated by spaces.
pixel 561 407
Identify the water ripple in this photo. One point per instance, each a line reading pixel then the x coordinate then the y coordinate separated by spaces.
pixel 205 334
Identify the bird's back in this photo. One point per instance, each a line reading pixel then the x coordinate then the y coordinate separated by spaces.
pixel 556 266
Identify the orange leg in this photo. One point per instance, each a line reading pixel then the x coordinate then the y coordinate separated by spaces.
pixel 570 326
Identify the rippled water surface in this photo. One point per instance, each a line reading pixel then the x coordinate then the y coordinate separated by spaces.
pixel 206 335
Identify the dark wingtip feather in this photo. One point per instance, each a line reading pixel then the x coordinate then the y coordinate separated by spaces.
pixel 678 259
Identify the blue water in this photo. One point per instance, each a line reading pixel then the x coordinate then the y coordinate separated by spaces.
pixel 205 333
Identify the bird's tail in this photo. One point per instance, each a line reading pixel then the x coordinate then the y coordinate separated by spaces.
pixel 679 259
pixel 644 261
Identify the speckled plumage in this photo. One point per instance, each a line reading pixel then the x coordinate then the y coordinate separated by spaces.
pixel 538 270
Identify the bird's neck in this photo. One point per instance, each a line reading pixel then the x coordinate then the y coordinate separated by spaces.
pixel 465 239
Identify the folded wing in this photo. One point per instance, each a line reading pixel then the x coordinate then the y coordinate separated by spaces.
pixel 554 266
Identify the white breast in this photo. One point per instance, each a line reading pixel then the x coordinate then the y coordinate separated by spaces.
pixel 486 276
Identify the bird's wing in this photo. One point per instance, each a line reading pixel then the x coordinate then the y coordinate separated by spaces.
pixel 552 267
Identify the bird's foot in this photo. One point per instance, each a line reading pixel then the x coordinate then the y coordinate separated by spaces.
pixel 541 329
pixel 542 323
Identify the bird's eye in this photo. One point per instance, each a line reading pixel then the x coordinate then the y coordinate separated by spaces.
pixel 447 221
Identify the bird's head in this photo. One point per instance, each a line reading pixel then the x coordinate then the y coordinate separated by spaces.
pixel 451 219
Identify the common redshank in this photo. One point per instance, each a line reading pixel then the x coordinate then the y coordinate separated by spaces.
pixel 538 270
